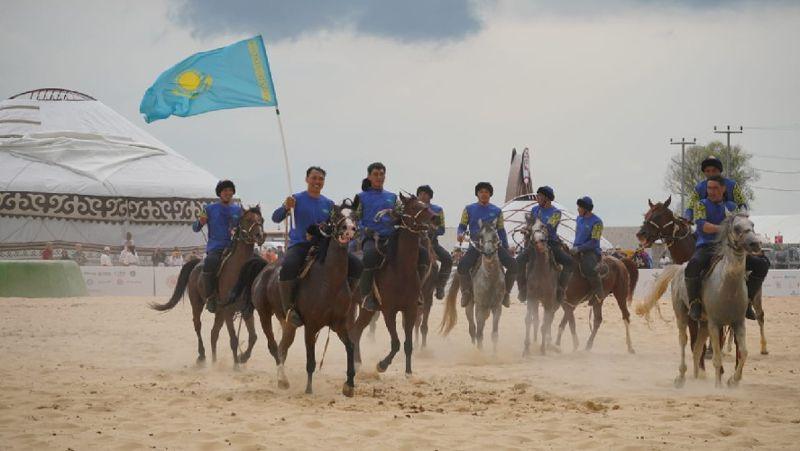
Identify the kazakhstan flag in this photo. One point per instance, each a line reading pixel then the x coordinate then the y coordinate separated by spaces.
pixel 230 77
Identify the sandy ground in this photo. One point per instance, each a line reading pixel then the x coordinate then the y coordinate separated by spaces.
pixel 107 373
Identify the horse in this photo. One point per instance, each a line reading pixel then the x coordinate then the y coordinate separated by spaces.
pixel 248 232
pixel 488 283
pixel 660 223
pixel 323 298
pixel 428 287
pixel 616 281
pixel 724 297
pixel 397 285
pixel 542 275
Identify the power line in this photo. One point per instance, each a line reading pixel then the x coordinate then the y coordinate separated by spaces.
pixel 776 172
pixel 776 157
pixel 769 188
pixel 788 127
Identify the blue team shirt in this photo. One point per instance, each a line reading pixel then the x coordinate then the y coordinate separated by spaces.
pixel 308 211
pixel 221 220
pixel 484 213
pixel 550 217
pixel 370 203
pixel 588 231
pixel 438 212
pixel 733 193
pixel 715 213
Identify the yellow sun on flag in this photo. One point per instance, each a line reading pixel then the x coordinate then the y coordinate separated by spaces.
pixel 192 83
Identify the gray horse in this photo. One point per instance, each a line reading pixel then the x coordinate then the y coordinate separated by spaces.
pixel 542 275
pixel 724 298
pixel 488 288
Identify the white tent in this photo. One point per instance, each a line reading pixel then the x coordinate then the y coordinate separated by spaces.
pixel 520 184
pixel 74 171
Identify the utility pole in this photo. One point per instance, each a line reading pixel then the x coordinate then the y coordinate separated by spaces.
pixel 728 132
pixel 683 142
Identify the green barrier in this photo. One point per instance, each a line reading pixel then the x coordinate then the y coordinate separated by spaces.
pixel 41 279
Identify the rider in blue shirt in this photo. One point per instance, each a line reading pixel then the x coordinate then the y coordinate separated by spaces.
pixel 550 216
pixel 709 214
pixel 471 218
pixel 425 194
pixel 588 231
pixel 311 208
pixel 711 167
pixel 221 218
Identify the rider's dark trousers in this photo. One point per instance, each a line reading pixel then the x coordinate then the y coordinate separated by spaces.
pixel 560 255
pixel 296 255
pixel 443 256
pixel 471 257
pixel 700 261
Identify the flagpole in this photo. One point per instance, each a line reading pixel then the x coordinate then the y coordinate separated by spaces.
pixel 285 160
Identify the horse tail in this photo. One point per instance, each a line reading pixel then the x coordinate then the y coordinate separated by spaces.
pixel 450 317
pixel 643 308
pixel 247 276
pixel 180 287
pixel 633 277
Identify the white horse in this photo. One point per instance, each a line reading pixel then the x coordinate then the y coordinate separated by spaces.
pixel 724 296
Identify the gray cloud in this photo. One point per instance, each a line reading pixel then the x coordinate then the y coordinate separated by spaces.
pixel 406 21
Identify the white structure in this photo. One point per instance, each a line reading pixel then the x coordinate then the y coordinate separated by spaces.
pixel 767 226
pixel 74 171
pixel 519 200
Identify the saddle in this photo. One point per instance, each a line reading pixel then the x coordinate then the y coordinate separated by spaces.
pixel 308 263
pixel 714 262
pixel 602 269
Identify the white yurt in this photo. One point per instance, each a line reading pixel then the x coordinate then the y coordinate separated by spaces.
pixel 74 171
pixel 520 200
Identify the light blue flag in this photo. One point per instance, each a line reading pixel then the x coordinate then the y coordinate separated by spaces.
pixel 230 77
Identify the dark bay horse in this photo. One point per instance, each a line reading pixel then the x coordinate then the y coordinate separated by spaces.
pixel 397 283
pixel 616 281
pixel 248 232
pixel 661 224
pixel 428 287
pixel 323 299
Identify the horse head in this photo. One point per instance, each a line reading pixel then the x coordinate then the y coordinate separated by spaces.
pixel 342 225
pixel 737 232
pixel 659 223
pixel 415 215
pixel 487 241
pixel 251 226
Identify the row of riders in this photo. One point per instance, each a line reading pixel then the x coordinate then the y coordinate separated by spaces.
pixel 381 218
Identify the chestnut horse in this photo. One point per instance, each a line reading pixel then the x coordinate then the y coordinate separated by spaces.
pixel 397 284
pixel 248 232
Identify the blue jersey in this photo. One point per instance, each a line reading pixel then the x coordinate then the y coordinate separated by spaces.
pixel 588 231
pixel 476 212
pixel 370 203
pixel 715 213
pixel 308 211
pixel 438 219
pixel 221 220
pixel 733 193
pixel 550 217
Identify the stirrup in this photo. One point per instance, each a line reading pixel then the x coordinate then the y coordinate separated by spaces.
pixel 293 317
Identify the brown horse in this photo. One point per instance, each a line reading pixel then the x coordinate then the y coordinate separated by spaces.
pixel 248 232
pixel 661 224
pixel 542 275
pixel 323 299
pixel 428 287
pixel 616 281
pixel 397 283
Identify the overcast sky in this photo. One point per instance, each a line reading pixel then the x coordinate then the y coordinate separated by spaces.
pixel 441 91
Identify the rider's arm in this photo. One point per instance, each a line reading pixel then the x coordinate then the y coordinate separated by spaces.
pixel 691 205
pixel 501 231
pixel 440 229
pixel 702 222
pixel 709 227
pixel 202 219
pixel 281 212
pixel 594 241
pixel 462 226
pixel 739 198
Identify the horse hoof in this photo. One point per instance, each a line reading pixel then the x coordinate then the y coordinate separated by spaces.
pixel 764 352
pixel 381 368
pixel 409 375
pixel 631 351
pixel 679 382
pixel 309 391
pixel 732 383
pixel 243 358
pixel 348 390
pixel 200 362
pixel 283 385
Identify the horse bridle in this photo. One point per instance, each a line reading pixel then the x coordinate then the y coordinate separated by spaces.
pixel 247 235
pixel 419 228
pixel 334 227
pixel 674 238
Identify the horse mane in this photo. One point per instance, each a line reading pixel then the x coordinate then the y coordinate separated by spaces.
pixel 254 209
pixel 724 229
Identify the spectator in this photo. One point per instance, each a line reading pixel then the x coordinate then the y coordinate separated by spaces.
pixel 128 256
pixel 47 252
pixel 128 241
pixel 158 257
pixel 280 252
pixel 193 255
pixel 176 258
pixel 65 255
pixel 779 238
pixel 105 258
pixel 271 256
pixel 79 256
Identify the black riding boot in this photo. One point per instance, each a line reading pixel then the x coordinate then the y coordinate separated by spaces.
pixel 753 286
pixel 509 286
pixel 288 288
pixel 597 291
pixel 210 282
pixel 563 280
pixel 422 271
pixel 522 286
pixel 441 282
pixel 693 289
pixel 466 290
pixel 365 286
